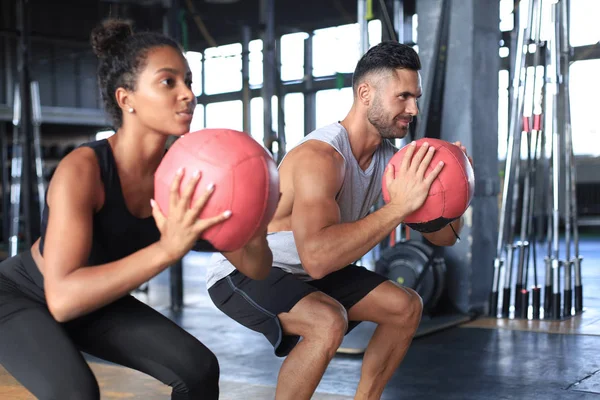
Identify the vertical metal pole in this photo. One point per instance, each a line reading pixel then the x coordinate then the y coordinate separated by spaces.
pixel 203 79
pixel 37 146
pixel 281 139
pixel 403 27
pixel 16 175
pixel 363 26
pixel 398 10
pixel 514 140
pixel 8 58
pixel 176 270
pixel 571 225
pixel 571 168
pixel 556 162
pixel 25 123
pixel 267 17
pixel 310 106
pixel 5 181
pixel 246 35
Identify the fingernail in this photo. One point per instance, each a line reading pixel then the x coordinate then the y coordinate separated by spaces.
pixel 196 173
pixel 179 171
pixel 431 149
pixel 227 214
pixel 441 163
pixel 210 186
pixel 152 203
pixel 413 143
pixel 425 144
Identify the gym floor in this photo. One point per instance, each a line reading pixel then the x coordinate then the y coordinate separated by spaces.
pixel 480 359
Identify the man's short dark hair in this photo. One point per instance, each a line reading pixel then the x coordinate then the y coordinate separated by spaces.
pixel 387 55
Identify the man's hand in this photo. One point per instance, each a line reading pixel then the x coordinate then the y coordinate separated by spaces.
pixel 464 149
pixel 408 185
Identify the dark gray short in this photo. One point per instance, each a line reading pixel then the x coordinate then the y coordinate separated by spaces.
pixel 256 303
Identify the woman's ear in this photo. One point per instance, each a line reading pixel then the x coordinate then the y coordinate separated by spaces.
pixel 125 100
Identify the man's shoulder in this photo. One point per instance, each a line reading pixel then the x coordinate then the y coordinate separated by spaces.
pixel 315 150
pixel 332 128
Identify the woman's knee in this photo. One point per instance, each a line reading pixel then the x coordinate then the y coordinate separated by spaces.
pixel 83 387
pixel 199 375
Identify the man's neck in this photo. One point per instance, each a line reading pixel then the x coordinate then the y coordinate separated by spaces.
pixel 364 138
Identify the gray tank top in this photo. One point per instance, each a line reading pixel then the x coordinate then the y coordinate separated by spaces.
pixel 359 192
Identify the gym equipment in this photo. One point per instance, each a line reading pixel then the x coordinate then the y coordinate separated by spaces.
pixel 450 194
pixel 414 264
pixel 244 174
pixel 18 158
pixel 545 164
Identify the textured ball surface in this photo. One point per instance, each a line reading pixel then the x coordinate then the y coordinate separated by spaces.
pixel 451 192
pixel 244 174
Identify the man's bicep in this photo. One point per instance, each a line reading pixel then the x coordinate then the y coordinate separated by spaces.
pixel 316 184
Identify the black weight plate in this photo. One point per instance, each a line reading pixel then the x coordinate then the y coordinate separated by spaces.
pixel 439 269
pixel 403 264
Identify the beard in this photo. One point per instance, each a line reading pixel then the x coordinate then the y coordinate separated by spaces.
pixel 386 123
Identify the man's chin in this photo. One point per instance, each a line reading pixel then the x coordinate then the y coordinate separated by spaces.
pixel 396 134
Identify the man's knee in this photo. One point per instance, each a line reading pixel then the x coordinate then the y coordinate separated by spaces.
pixel 408 307
pixel 322 319
pixel 331 323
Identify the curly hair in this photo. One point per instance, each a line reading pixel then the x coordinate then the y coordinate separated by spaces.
pixel 122 56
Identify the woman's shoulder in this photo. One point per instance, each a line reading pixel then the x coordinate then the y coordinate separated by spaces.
pixel 77 174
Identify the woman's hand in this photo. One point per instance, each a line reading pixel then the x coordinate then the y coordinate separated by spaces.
pixel 182 228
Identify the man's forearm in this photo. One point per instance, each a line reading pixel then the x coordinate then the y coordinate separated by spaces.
pixel 254 260
pixel 339 245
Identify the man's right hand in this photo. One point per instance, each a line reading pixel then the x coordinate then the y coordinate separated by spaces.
pixel 408 184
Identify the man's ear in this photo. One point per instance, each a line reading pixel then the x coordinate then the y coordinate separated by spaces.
pixel 364 92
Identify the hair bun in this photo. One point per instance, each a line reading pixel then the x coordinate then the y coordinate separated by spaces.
pixel 110 34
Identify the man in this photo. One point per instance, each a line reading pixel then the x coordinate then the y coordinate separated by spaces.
pixel 329 183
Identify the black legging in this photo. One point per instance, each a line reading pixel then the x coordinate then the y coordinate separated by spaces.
pixel 45 356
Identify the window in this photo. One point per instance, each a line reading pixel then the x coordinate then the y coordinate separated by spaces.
pixel 223 69
pixel 225 114
pixel 332 105
pixel 294 119
pixel 194 60
pixel 584 122
pixel 503 102
pixel 586 30
pixel 374 27
pixel 104 134
pixel 255 58
pixel 335 49
pixel 197 119
pixel 257 118
pixel 506 15
pixel 292 56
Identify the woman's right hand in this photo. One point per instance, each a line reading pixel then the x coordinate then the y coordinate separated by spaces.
pixel 182 228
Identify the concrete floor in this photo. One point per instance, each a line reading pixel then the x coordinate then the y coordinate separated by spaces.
pixel 483 359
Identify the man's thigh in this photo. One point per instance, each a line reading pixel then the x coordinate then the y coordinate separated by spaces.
pixel 256 304
pixel 350 286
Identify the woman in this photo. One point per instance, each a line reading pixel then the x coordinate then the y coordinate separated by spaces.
pixel 103 236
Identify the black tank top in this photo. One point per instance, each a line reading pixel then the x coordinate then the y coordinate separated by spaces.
pixel 116 232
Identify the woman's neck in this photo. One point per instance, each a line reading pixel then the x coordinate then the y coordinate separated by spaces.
pixel 138 154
